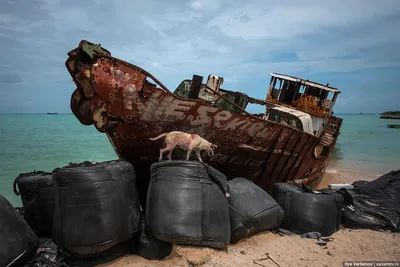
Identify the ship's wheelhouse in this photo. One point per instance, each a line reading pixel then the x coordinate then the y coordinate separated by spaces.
pixel 310 97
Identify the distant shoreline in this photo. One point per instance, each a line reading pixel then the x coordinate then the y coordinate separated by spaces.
pixel 390 115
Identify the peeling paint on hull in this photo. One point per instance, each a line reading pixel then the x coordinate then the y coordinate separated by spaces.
pixel 116 98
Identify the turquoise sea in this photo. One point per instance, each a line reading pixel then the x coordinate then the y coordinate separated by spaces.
pixel 43 142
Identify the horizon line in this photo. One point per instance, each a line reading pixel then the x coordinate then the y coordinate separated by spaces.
pixel 46 113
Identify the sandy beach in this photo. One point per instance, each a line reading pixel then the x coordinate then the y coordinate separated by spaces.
pixel 346 244
pixel 338 172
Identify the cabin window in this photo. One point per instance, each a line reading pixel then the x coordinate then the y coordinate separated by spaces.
pixel 276 88
pixel 327 101
pixel 302 89
pixel 283 90
pixel 323 95
pixel 312 91
pixel 289 94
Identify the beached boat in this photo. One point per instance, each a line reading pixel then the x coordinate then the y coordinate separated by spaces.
pixel 292 141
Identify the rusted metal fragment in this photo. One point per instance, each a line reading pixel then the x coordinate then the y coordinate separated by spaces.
pixel 321 151
pixel 100 118
pixel 239 99
pixel 71 65
pixel 90 49
pixel 80 107
pixel 196 86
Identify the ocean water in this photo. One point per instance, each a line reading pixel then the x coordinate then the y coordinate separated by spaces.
pixel 367 145
pixel 43 142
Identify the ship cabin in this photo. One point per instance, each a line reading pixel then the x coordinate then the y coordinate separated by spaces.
pixel 299 103
pixel 302 103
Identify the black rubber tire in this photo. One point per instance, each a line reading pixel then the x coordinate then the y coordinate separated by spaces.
pixel 18 242
pixel 187 205
pixel 97 205
pixel 307 211
pixel 37 191
pixel 252 210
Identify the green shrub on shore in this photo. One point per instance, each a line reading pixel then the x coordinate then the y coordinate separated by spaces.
pixel 390 113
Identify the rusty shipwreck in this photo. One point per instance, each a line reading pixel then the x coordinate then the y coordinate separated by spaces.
pixel 292 141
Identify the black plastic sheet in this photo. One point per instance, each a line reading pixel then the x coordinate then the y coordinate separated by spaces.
pixel 373 205
pixel 356 216
pixel 50 255
pixel 97 207
pixel 252 210
pixel 18 242
pixel 187 204
pixel 37 191
pixel 385 189
pixel 47 255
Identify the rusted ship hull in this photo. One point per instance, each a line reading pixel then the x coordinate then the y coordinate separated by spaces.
pixel 116 98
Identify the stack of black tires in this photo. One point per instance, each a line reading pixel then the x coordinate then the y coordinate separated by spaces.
pixel 192 203
pixel 85 210
pixel 88 211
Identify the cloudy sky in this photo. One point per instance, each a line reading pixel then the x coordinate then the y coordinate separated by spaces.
pixel 353 44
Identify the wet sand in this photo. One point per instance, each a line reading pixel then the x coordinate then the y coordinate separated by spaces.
pixel 347 245
pixel 338 176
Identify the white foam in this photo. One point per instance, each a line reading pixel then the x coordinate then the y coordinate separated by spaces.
pixel 331 170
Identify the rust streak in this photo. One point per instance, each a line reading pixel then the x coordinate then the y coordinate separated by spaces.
pixel 276 154
pixel 284 158
pixel 293 159
pixel 302 158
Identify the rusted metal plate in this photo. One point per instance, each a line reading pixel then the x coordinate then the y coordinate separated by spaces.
pixel 118 100
pixel 299 146
pixel 275 154
pixel 302 161
pixel 287 154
